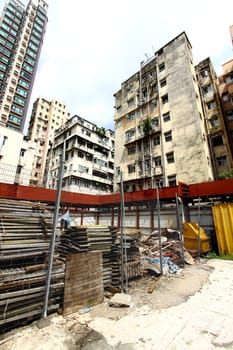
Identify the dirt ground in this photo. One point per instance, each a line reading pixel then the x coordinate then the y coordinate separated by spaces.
pixel 73 333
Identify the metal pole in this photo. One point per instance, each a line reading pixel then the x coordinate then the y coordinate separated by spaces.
pixel 199 238
pixel 159 228
pixel 180 227
pixel 52 242
pixel 123 241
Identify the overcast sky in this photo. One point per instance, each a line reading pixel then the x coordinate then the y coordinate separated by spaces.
pixel 91 46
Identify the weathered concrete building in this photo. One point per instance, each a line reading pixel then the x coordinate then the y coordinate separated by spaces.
pixel 160 128
pixel 216 131
pixel 15 162
pixel 47 116
pixel 89 157
pixel 226 94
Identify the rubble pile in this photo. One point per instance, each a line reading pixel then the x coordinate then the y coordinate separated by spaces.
pixel 166 252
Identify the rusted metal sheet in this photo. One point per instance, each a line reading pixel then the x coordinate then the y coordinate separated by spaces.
pixel 223 223
pixel 83 281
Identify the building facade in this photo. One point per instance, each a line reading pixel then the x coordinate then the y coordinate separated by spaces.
pixel 15 162
pixel 160 128
pixel 47 116
pixel 221 155
pixel 89 157
pixel 22 31
pixel 226 94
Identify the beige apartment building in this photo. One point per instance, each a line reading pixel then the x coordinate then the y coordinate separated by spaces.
pixel 221 155
pixel 160 133
pixel 89 157
pixel 47 116
pixel 226 94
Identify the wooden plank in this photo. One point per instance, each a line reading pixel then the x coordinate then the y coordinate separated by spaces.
pixel 83 281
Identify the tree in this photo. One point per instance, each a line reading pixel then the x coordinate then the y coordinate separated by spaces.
pixel 147 125
pixel 226 175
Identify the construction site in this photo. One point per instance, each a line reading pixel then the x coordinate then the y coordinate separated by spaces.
pixel 90 246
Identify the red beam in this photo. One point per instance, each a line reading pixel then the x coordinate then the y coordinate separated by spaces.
pixel 211 188
pixel 205 189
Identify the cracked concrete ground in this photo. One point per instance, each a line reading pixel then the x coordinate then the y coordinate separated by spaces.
pixel 192 310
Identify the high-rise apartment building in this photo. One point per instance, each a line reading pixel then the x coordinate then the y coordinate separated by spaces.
pixel 216 131
pixel 47 116
pixel 89 157
pixel 160 133
pixel 22 31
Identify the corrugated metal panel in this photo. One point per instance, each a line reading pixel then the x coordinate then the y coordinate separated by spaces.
pixel 223 222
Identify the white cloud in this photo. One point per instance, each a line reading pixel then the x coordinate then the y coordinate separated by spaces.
pixel 91 47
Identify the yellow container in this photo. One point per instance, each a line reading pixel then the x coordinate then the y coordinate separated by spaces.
pixel 190 233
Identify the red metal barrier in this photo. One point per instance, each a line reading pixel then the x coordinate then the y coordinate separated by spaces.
pixel 221 188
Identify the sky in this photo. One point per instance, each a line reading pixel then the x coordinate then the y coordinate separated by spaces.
pixel 91 47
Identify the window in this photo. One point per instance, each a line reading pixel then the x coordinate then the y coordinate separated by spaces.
pixel 206 89
pixel 168 136
pixel 204 73
pixel 214 121
pixel 155 122
pixel 229 79
pixel 131 117
pixel 171 180
pixel 118 108
pixel 161 67
pixel 14 119
pixel 225 97
pixel 129 134
pixel 153 105
pixel 222 161
pixel 165 98
pixel 163 82
pixel 131 102
pixel 146 165
pixel 170 157
pixel 131 150
pixel 211 105
pixel 217 141
pixel 82 169
pixel 22 152
pixel 17 109
pixel 19 168
pixel 21 92
pixel 157 141
pixel 131 168
pixel 80 154
pixel 229 115
pixel 118 171
pixel 157 161
pixel 166 117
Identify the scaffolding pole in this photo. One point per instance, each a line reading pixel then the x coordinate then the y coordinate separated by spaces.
pixel 53 236
pixel 123 241
pixel 159 229
pixel 180 229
